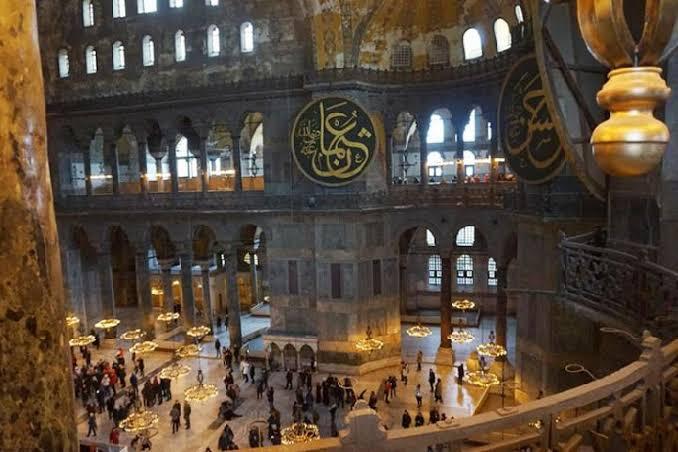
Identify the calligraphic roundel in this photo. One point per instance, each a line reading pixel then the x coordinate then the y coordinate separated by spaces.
pixel 529 138
pixel 333 141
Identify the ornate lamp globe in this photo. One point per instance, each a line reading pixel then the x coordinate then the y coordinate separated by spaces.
pixel 174 371
pixel 482 379
pixel 143 347
pixel 299 433
pixel 168 317
pixel 491 349
pixel 369 344
pixel 107 324
pixel 200 392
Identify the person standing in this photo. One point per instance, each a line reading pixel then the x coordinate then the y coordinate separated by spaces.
pixel 407 420
pixel 404 370
pixel 252 371
pixel 420 358
pixel 417 395
pixel 289 377
pixel 134 382
pixel 187 414
pixel 245 370
pixel 387 389
pixel 228 358
pixel 91 425
pixel 217 345
pixel 431 378
pixel 460 373
pixel 438 391
pixel 175 415
pixel 419 419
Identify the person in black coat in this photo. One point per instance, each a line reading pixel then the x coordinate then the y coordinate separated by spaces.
pixel 460 373
pixel 407 420
pixel 419 419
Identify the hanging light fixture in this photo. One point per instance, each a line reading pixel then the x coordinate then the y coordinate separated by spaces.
pixel 188 351
pixel 419 330
pixel 299 433
pixel 481 378
pixel 369 344
pixel 174 371
pixel 143 347
pixel 132 335
pixel 81 341
pixel 200 392
pixel 139 421
pixel 72 321
pixel 461 337
pixel 463 305
pixel 491 349
pixel 168 317
pixel 107 324
pixel 198 332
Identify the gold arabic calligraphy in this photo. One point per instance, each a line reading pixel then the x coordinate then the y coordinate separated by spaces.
pixel 335 139
pixel 530 128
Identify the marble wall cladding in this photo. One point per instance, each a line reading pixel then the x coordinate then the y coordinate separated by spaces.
pixel 36 394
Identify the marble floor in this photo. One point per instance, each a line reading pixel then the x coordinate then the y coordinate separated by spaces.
pixel 458 401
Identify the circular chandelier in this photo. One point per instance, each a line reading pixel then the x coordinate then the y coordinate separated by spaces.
pixel 482 379
pixel 174 371
pixel 419 330
pixel 107 324
pixel 81 341
pixel 463 305
pixel 188 351
pixel 461 337
pixel 299 433
pixel 168 317
pixel 491 349
pixel 139 421
pixel 143 347
pixel 369 344
pixel 200 392
pixel 132 335
pixel 198 332
pixel 72 320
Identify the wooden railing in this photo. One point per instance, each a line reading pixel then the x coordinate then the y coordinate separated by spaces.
pixel 624 285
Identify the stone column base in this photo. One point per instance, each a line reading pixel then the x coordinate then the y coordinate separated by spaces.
pixel 362 369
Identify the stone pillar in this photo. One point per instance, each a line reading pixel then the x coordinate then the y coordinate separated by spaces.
pixel 445 301
pixel 236 163
pixel 423 151
pixel 188 302
pixel 111 151
pixel 388 157
pixel 203 164
pixel 172 156
pixel 253 271
pixel 502 306
pixel 37 393
pixel 206 294
pixel 403 284
pixel 144 291
pixel 459 156
pixel 105 281
pixel 88 169
pixel 143 167
pixel 234 327
pixel 166 270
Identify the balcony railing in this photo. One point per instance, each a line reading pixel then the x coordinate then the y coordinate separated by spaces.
pixel 619 279
pixel 446 195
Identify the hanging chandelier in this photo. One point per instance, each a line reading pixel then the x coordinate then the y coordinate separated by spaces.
pixel 139 421
pixel 369 344
pixel 463 305
pixel 419 330
pixel 107 324
pixel 71 321
pixel 200 392
pixel 81 341
pixel 461 337
pixel 132 335
pixel 174 371
pixel 198 332
pixel 143 347
pixel 168 317
pixel 491 349
pixel 482 379
pixel 188 351
pixel 299 433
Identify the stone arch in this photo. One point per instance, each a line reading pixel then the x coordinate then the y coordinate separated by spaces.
pixel 275 357
pixel 162 243
pixel 204 241
pixel 306 357
pixel 405 149
pixel 290 357
pixel 252 150
pixel 123 267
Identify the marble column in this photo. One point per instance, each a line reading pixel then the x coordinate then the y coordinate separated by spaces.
pixel 168 297
pixel 403 284
pixel 388 158
pixel 234 327
pixel 207 294
pixel 255 286
pixel 423 152
pixel 144 291
pixel 37 392
pixel 502 307
pixel 105 272
pixel 445 301
pixel 187 299
pixel 237 167
pixel 172 156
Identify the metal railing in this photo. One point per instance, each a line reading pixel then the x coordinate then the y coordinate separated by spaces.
pixel 624 283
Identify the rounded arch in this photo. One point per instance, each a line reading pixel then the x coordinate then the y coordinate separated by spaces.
pixel 439 51
pixel 406 231
pixel 405 145
pixel 204 241
pixel 290 357
pixel 469 237
pixel 472 44
pixel 275 357
pixel 306 357
pixel 401 55
pixel 502 35
pixel 161 242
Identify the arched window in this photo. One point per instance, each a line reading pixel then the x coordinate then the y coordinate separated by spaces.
pixel 118 56
pixel 469 135
pixel 148 51
pixel 212 2
pixel 179 46
pixel 469 163
pixel 466 236
pixel 430 238
pixel 119 8
pixel 213 42
pixel 246 37
pixel 401 55
pixel 87 13
pixel 176 3
pixel 464 270
pixel 187 164
pixel 147 6
pixel 436 129
pixel 434 163
pixel 435 270
pixel 519 14
pixel 439 54
pixel 473 46
pixel 63 63
pixel 502 34
pixel 91 60
pixel 491 272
